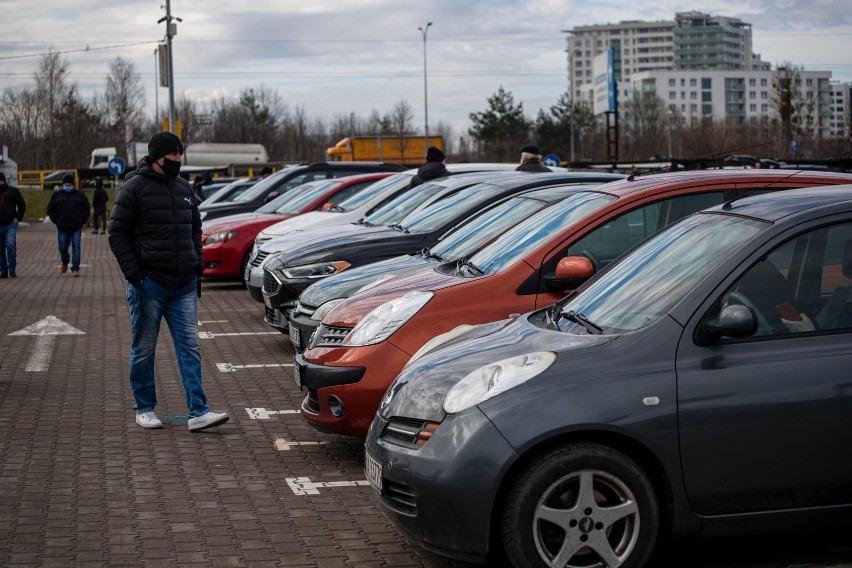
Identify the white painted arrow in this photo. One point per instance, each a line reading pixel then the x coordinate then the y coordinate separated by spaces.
pixel 230 368
pixel 283 445
pixel 45 330
pixel 304 485
pixel 263 414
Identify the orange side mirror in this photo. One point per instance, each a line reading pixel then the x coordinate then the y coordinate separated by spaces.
pixel 572 267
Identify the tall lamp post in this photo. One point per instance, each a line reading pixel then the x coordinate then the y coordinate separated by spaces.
pixel 423 31
pixel 671 115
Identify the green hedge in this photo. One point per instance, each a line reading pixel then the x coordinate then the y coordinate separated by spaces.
pixel 37 201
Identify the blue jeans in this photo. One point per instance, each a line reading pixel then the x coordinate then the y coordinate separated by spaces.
pixel 8 248
pixel 70 238
pixel 149 302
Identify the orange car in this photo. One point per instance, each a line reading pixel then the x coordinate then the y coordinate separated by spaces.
pixel 365 341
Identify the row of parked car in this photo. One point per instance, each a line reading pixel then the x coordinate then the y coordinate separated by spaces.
pixel 562 367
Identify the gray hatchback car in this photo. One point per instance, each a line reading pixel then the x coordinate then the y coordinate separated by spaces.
pixel 700 384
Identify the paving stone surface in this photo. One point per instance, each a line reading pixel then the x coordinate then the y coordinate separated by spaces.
pixel 82 485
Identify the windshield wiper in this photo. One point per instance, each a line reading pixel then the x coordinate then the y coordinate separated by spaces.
pixel 582 320
pixel 364 222
pixel 427 253
pixel 549 313
pixel 336 209
pixel 400 228
pixel 463 262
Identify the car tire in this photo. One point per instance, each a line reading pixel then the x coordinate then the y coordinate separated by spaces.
pixel 576 487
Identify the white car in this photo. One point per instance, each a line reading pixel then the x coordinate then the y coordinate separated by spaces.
pixel 269 241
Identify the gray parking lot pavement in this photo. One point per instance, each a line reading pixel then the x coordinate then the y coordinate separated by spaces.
pixel 82 485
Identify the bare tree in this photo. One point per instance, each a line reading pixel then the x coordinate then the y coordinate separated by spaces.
pixel 401 119
pixel 124 100
pixel 51 89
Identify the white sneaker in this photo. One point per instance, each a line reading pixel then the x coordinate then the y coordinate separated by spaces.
pixel 207 420
pixel 148 420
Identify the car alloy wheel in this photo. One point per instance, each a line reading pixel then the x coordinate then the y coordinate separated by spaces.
pixel 580 506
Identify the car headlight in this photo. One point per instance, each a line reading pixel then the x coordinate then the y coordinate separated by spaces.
pixel 320 312
pixel 311 271
pixel 437 341
pixel 221 237
pixel 495 378
pixel 380 323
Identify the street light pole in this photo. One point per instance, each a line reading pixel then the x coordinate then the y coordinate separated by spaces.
pixel 171 31
pixel 423 32
pixel 156 89
pixel 670 133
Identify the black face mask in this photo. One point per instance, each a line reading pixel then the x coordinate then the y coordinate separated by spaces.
pixel 170 167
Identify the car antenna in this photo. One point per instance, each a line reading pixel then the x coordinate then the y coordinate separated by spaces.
pixel 632 177
pixel 728 204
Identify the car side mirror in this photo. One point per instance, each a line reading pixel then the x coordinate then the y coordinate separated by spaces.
pixel 735 320
pixel 571 271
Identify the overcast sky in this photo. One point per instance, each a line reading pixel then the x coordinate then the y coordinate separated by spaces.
pixel 340 56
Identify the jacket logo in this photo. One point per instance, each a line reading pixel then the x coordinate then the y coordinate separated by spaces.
pixel 188 200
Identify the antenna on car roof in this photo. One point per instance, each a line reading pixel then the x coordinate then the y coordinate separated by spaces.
pixel 631 177
pixel 728 204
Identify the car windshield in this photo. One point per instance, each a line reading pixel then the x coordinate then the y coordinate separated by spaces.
pixel 395 210
pixel 398 181
pixel 285 198
pixel 229 192
pixel 515 244
pixel 442 212
pixel 260 188
pixel 642 287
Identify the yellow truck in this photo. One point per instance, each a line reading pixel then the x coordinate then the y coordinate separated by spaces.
pixel 406 150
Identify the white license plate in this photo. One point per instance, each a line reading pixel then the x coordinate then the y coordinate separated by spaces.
pixel 295 335
pixel 373 471
pixel 297 375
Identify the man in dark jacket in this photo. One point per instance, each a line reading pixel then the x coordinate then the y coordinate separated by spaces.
pixel 531 160
pixel 432 169
pixel 68 208
pixel 99 203
pixel 155 234
pixel 12 209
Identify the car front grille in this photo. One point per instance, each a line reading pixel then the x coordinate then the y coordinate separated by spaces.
pixel 401 497
pixel 403 431
pixel 270 283
pixel 258 258
pixel 256 292
pixel 312 401
pixel 329 336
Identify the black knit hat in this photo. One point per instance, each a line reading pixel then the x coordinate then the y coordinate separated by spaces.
pixel 163 144
pixel 68 178
pixel 530 149
pixel 434 155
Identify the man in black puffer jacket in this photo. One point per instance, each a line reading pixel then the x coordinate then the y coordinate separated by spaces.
pixel 155 234
pixel 68 208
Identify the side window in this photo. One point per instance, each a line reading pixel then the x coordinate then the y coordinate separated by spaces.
pixel 295 182
pixel 348 192
pixel 803 285
pixel 607 242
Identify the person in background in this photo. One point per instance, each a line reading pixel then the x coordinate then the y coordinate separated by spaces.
pixel 100 198
pixel 155 235
pixel 265 172
pixel 531 160
pixel 432 169
pixel 197 184
pixel 68 208
pixel 12 209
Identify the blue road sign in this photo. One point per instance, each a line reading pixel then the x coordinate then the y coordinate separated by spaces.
pixel 794 145
pixel 116 166
pixel 552 160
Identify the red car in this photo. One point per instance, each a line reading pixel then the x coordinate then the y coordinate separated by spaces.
pixel 227 241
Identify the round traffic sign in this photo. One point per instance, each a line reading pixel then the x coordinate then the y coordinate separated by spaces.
pixel 116 166
pixel 552 160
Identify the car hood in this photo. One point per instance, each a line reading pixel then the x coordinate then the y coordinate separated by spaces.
pixel 384 241
pixel 353 310
pixel 234 222
pixel 346 283
pixel 419 390
pixel 310 220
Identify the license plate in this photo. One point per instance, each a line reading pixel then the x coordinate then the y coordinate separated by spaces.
pixel 297 375
pixel 295 335
pixel 373 471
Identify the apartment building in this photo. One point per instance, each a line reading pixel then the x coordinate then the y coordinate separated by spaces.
pixel 841 106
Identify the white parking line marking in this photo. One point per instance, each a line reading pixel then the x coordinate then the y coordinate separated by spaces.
pixel 211 335
pixel 45 331
pixel 304 485
pixel 200 322
pixel 283 445
pixel 230 368
pixel 263 414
